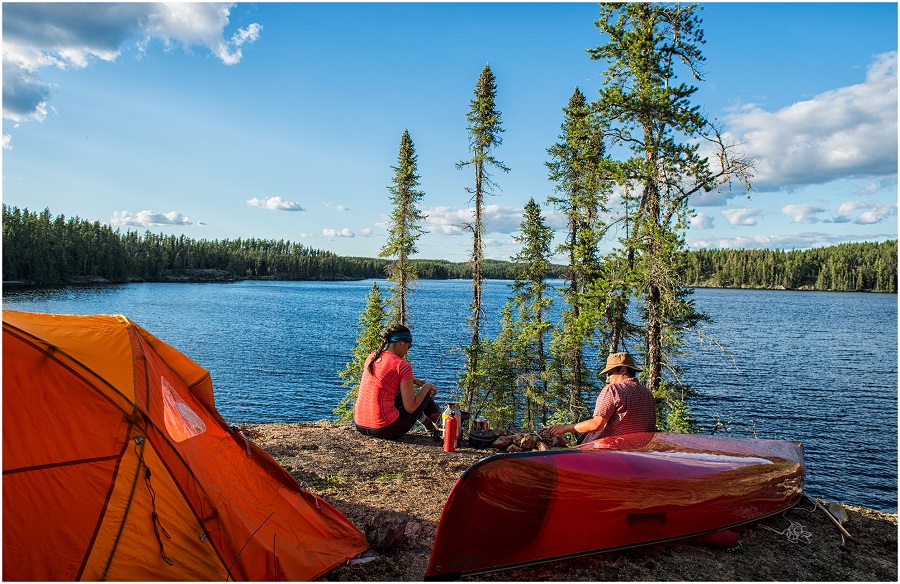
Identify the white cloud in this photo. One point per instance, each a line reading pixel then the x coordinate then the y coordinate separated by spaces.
pixel 793 241
pixel 702 221
pixel 337 207
pixel 845 132
pixel 366 232
pixel 453 221
pixel 275 204
pixel 873 212
pixel 72 35
pixel 7 142
pixel 332 233
pixel 742 216
pixel 150 219
pixel 802 213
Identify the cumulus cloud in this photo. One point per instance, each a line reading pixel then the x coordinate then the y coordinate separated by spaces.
pixel 802 213
pixel 742 216
pixel 702 221
pixel 337 207
pixel 72 35
pixel 150 219
pixel 366 232
pixel 332 233
pixel 842 133
pixel 275 204
pixel 7 142
pixel 872 212
pixel 453 221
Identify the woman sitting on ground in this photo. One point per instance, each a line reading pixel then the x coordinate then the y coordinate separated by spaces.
pixel 388 404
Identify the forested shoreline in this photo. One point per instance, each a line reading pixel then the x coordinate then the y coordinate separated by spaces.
pixel 44 250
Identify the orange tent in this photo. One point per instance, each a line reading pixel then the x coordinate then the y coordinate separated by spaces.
pixel 117 466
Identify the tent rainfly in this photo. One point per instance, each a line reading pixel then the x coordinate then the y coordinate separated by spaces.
pixel 117 466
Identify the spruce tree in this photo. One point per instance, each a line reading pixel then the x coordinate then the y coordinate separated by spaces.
pixel 404 229
pixel 579 167
pixel 372 321
pixel 645 110
pixel 484 129
pixel 531 296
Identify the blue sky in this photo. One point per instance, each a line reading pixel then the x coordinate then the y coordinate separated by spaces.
pixel 282 120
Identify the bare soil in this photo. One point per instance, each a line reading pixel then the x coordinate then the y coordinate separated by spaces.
pixel 363 476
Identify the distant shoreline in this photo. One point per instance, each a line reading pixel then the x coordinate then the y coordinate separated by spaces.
pixel 211 276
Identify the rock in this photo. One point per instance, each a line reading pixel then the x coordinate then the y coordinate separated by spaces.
pixel 528 442
pixel 513 448
pixel 385 530
pixel 502 442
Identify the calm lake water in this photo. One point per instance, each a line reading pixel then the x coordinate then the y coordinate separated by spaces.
pixel 816 367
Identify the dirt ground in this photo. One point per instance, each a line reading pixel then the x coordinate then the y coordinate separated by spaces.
pixel 362 476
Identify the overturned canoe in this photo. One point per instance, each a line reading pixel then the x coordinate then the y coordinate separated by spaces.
pixel 511 510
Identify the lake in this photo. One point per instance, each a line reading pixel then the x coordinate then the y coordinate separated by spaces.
pixel 815 367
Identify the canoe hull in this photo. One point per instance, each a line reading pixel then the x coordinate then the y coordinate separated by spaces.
pixel 511 510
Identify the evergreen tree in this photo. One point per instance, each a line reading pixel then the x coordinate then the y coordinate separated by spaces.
pixel 404 229
pixel 502 361
pixel 531 296
pixel 484 129
pixel 645 110
pixel 372 321
pixel 581 171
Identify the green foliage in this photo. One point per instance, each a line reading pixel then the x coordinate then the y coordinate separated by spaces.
pixel 497 396
pixel 532 298
pixel 581 170
pixel 403 228
pixel 510 382
pixel 371 322
pixel 484 129
pixel 646 110
pixel 848 267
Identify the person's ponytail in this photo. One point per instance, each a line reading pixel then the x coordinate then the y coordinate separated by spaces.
pixel 376 355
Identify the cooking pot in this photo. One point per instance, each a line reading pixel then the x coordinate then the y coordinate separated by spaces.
pixel 481 438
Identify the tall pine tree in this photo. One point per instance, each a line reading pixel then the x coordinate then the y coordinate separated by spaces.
pixel 579 167
pixel 404 229
pixel 645 110
pixel 485 127
pixel 532 297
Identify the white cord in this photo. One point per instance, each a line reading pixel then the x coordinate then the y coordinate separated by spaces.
pixel 794 534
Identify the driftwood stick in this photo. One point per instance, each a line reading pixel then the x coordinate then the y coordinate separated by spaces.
pixel 844 533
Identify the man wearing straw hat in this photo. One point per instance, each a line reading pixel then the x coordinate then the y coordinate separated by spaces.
pixel 624 406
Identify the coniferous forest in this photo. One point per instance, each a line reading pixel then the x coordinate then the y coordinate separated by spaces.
pixel 43 249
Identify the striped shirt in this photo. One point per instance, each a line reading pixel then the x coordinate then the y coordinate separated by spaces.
pixel 627 407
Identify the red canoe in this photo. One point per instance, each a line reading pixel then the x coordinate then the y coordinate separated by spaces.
pixel 511 510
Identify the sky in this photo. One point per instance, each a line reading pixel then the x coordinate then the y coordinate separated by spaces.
pixel 283 120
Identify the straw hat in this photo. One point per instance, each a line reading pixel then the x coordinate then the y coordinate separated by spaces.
pixel 620 360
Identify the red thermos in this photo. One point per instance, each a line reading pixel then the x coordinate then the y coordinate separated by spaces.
pixel 451 429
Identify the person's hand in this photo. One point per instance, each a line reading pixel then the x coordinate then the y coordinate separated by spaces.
pixel 430 388
pixel 558 429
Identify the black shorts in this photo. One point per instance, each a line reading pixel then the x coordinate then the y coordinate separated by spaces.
pixel 404 423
